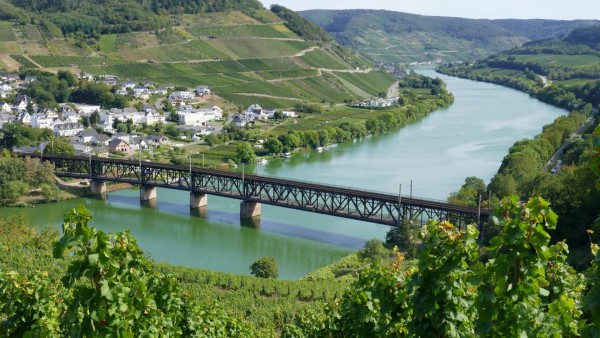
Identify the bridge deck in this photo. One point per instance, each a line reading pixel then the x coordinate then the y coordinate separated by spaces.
pixel 371 206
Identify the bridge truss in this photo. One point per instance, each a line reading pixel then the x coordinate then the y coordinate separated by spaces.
pixel 375 207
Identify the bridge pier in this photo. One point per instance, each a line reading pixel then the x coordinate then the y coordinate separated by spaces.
pixel 249 209
pixel 98 187
pixel 147 193
pixel 198 200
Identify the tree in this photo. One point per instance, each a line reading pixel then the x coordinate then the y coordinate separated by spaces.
pixel 265 267
pixel 61 147
pixel 244 153
pixel 374 250
pixel 278 115
pixel 50 192
pixel 273 145
pixel 11 191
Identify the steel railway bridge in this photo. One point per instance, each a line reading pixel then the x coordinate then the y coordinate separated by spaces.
pixel 252 190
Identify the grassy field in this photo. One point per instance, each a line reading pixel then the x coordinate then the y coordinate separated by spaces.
pixel 373 82
pixel 68 60
pixel 266 88
pixel 7 34
pixel 319 89
pixel 274 64
pixel 322 59
pixel 572 61
pixel 108 43
pixel 283 74
pixel 240 31
pixel 9 47
pixel 330 118
pixel 189 51
pixel 266 102
pixel 23 61
pixel 259 48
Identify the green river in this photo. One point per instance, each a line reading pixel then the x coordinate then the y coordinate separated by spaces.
pixel 436 154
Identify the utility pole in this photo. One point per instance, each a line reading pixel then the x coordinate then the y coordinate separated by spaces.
pixel 190 180
pixel 243 183
pixel 399 203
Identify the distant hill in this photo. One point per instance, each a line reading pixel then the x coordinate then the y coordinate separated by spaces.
pixel 386 36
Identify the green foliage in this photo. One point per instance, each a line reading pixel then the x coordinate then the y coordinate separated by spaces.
pixel 25 62
pixel 522 287
pixel 265 267
pixel 405 238
pixel 245 153
pixel 373 251
pixel 517 298
pixel 469 193
pixel 274 146
pixel 109 289
pixel 50 192
pixel 301 26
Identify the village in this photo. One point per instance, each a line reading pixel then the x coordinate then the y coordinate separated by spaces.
pixel 90 129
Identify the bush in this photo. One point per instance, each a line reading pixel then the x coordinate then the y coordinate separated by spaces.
pixel 265 268
pixel 374 250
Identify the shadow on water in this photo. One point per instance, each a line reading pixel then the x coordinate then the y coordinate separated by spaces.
pixel 257 223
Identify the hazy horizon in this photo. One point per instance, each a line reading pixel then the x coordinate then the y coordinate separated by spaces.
pixel 480 9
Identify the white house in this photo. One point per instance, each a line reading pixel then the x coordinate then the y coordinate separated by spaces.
pixel 67 129
pixel 128 84
pixel 288 113
pixel 258 112
pixel 24 118
pixel 91 136
pixel 192 117
pixel 137 90
pixel 6 118
pixel 177 98
pixel 153 117
pixel 5 107
pixel 42 120
pixel 202 90
pixel 86 109
pixel 239 120
pixel 5 87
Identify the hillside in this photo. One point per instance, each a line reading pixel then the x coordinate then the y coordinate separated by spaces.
pixel 386 36
pixel 248 56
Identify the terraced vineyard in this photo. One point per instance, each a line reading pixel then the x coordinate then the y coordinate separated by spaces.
pixel 23 61
pixel 192 50
pixel 239 31
pixel 321 59
pixel 573 61
pixel 244 59
pixel 260 48
pixel 373 82
pixel 69 61
pixel 270 64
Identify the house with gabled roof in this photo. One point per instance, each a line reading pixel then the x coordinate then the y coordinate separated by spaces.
pixel 67 129
pixel 119 145
pixel 91 136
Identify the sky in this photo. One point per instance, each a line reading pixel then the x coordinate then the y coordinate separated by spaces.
pixel 476 9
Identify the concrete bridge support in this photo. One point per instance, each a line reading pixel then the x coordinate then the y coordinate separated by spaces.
pixel 147 193
pixel 98 187
pixel 249 209
pixel 198 200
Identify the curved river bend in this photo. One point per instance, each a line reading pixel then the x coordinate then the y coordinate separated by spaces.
pixel 468 139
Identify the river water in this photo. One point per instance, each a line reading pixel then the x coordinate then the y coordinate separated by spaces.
pixel 468 139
